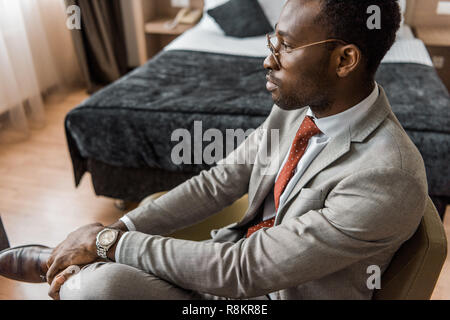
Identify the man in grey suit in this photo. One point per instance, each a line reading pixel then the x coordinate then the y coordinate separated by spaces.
pixel 337 197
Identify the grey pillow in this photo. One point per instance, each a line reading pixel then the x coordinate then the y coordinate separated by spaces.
pixel 241 18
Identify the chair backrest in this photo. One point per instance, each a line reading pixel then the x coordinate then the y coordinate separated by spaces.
pixel 202 230
pixel 415 268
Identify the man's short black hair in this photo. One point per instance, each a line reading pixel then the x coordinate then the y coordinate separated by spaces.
pixel 348 20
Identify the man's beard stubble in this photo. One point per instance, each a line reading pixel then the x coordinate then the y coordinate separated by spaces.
pixel 314 91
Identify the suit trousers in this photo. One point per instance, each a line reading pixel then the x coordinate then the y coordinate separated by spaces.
pixel 115 281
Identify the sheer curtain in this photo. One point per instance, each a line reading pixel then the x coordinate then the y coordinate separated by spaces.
pixel 37 59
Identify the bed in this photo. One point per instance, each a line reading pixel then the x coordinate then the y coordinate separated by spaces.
pixel 122 134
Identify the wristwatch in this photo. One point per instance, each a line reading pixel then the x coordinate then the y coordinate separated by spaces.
pixel 105 240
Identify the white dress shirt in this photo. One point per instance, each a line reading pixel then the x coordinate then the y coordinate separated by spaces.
pixel 330 127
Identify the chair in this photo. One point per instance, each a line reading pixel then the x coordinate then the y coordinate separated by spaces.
pixel 202 230
pixel 412 273
pixel 415 267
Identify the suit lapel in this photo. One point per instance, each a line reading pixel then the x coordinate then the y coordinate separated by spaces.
pixel 335 149
pixel 266 179
pixel 340 145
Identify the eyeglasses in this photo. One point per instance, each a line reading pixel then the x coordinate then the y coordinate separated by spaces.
pixel 276 53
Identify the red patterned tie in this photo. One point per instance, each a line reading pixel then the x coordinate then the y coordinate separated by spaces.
pixel 307 130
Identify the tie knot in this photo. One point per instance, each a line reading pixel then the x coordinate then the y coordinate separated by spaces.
pixel 308 128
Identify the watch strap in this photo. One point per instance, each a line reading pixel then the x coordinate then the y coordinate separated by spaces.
pixel 102 252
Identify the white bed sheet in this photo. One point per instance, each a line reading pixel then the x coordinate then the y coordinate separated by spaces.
pixel 406 49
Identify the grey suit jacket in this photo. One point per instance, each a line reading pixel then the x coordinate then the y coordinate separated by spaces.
pixel 358 201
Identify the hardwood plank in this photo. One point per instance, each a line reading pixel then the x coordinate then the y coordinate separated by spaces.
pixel 38 199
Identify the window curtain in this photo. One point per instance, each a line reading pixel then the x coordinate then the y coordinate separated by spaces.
pixel 100 44
pixel 37 59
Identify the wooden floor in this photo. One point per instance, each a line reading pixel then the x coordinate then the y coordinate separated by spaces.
pixel 40 204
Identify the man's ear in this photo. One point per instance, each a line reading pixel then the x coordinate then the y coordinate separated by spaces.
pixel 348 59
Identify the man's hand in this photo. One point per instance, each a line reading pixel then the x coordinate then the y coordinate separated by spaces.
pixel 79 248
pixel 60 279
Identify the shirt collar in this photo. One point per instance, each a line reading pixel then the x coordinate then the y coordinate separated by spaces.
pixel 333 125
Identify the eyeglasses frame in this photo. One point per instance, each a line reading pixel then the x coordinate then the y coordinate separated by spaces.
pixel 275 53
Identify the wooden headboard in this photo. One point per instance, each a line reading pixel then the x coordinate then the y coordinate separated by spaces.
pixel 423 13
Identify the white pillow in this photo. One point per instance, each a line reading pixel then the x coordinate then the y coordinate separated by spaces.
pixel 403 7
pixel 209 4
pixel 272 9
pixel 207 22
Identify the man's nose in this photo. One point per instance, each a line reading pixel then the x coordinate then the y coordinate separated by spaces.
pixel 270 63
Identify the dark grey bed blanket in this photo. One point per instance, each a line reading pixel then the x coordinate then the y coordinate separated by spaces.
pixel 129 123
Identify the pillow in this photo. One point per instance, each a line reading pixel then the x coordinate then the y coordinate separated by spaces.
pixel 403 7
pixel 241 18
pixel 209 4
pixel 207 22
pixel 272 9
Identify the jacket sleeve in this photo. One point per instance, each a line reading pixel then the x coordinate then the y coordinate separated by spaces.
pixel 203 195
pixel 365 214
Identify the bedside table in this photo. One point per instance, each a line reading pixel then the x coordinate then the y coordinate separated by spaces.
pixel 158 36
pixel 437 40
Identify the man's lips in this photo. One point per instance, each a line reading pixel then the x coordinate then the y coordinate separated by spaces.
pixel 271 84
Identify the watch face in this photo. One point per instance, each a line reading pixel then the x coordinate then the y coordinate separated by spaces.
pixel 107 237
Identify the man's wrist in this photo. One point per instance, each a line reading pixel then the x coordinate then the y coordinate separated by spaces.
pixel 122 228
pixel 111 254
pixel 119 225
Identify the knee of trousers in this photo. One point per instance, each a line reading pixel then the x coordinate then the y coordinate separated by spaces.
pixel 98 281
